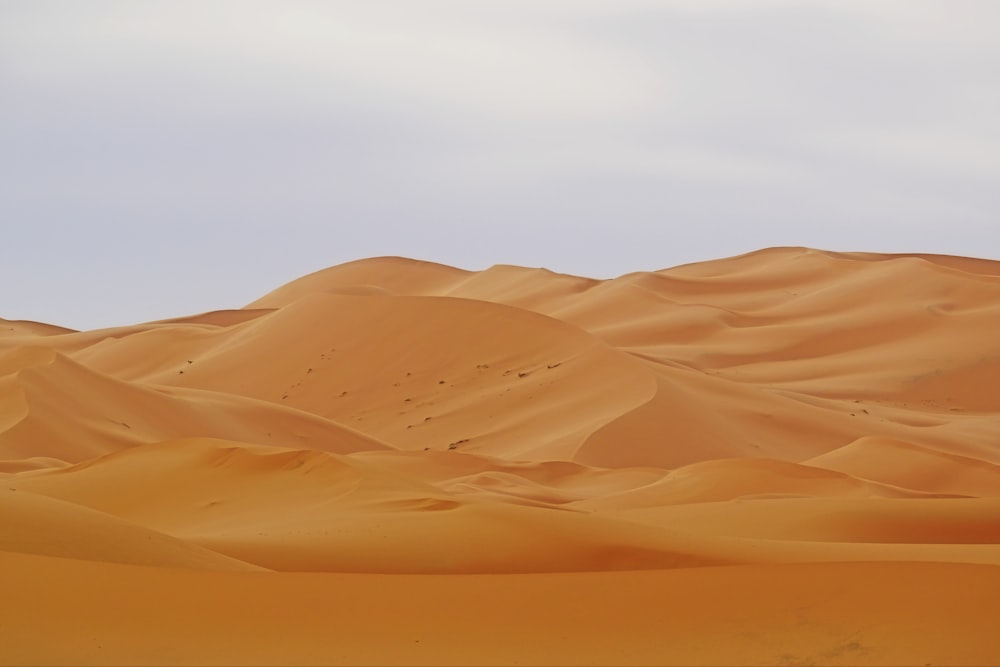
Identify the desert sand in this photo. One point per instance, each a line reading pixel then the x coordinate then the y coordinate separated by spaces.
pixel 787 457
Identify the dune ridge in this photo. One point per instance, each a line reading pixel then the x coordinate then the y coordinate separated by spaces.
pixel 397 461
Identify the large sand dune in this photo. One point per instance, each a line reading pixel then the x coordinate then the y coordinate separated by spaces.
pixel 786 457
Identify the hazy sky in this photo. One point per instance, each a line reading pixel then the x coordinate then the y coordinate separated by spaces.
pixel 160 158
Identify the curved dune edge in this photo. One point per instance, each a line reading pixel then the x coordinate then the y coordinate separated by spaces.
pixel 793 449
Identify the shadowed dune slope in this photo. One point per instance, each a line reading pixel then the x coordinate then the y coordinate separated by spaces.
pixel 393 461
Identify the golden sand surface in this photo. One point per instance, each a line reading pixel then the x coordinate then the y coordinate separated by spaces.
pixel 787 457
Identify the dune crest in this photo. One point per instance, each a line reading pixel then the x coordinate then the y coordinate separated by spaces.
pixel 391 461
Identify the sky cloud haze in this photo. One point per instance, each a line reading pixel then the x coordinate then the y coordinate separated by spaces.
pixel 159 158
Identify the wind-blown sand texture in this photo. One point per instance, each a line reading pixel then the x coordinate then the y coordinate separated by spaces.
pixel 787 457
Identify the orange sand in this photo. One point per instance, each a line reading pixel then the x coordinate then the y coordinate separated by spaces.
pixel 787 457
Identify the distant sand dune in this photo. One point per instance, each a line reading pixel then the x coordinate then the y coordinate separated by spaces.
pixel 787 457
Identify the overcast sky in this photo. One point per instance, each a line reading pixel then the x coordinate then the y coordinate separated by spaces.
pixel 160 158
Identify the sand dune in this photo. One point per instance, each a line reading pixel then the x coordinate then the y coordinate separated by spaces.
pixel 67 411
pixel 912 466
pixel 38 525
pixel 787 457
pixel 314 511
pixel 19 328
pixel 383 275
pixel 415 372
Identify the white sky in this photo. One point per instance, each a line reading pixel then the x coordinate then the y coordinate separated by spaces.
pixel 161 158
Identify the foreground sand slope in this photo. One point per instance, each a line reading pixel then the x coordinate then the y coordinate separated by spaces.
pixel 399 462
